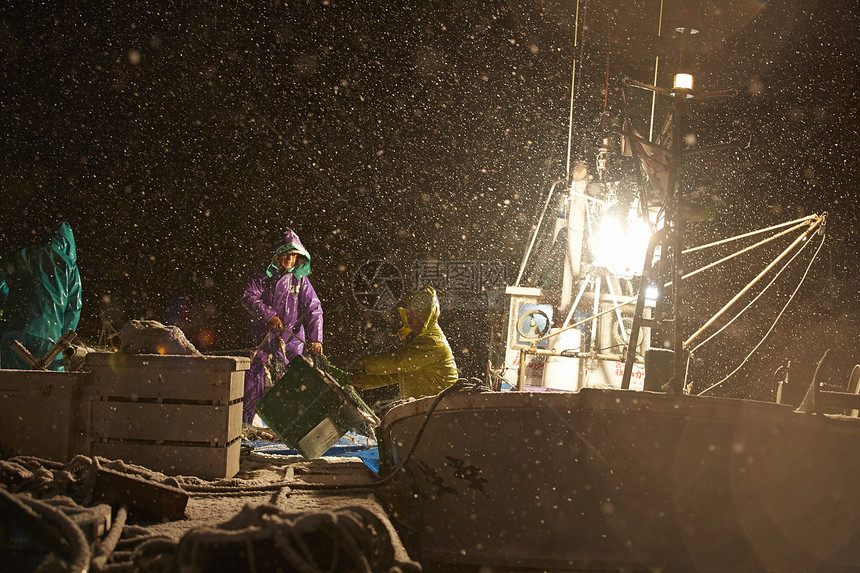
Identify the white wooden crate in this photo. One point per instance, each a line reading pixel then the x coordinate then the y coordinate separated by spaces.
pixel 45 413
pixel 180 415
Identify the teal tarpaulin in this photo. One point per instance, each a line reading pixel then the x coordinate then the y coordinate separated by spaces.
pixel 40 297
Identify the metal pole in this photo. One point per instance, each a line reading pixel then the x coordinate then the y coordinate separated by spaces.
pixel 535 234
pixel 521 372
pixel 656 67
pixel 676 383
pixel 596 305
pixel 575 304
pixel 572 89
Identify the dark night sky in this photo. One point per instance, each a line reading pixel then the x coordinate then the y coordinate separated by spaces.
pixel 179 141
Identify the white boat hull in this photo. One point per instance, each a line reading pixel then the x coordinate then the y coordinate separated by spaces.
pixel 615 479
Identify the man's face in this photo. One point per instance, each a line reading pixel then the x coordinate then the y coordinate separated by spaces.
pixel 286 261
pixel 411 319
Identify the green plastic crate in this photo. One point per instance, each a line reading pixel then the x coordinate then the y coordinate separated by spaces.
pixel 309 410
pixel 341 377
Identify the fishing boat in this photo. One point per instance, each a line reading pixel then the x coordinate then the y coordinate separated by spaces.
pixel 589 446
pixel 611 479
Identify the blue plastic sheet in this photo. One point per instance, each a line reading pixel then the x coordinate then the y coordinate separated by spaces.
pixel 352 445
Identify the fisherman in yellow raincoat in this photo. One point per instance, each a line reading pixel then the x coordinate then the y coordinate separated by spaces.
pixel 423 365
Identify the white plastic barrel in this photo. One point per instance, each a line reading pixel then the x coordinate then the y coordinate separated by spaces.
pixel 562 372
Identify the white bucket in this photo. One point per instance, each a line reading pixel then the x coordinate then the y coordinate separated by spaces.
pixel 562 372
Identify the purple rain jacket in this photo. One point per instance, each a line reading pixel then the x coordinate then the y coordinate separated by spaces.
pixel 292 298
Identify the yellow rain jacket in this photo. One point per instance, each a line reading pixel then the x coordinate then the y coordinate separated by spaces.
pixel 424 364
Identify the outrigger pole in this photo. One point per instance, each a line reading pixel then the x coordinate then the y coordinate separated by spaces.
pixel 814 224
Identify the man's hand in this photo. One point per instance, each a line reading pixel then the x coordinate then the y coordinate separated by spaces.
pixel 315 347
pixel 275 324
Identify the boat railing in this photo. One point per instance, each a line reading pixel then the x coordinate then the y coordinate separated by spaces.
pixel 521 372
pixel 828 399
pixel 817 399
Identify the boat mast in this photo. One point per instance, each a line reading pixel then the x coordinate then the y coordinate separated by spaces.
pixel 677 221
pixel 674 227
pixel 572 88
pixel 577 58
pixel 656 68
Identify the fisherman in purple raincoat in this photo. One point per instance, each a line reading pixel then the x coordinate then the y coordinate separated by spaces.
pixel 284 309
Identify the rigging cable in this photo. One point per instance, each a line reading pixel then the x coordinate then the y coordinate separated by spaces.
pixel 537 229
pixel 606 89
pixel 737 253
pixel 806 219
pixel 572 89
pixel 744 310
pixel 814 226
pixel 773 325
pixel 785 266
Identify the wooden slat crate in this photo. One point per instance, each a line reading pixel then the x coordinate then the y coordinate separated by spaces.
pixel 180 415
pixel 45 414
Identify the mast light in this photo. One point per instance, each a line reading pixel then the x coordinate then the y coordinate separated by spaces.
pixel 683 82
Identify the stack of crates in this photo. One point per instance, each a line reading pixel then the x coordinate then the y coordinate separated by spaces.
pixel 180 415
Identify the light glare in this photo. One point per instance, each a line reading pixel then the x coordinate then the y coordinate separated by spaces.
pixel 683 81
pixel 622 251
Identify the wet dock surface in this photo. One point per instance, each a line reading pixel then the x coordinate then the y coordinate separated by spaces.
pixel 324 513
